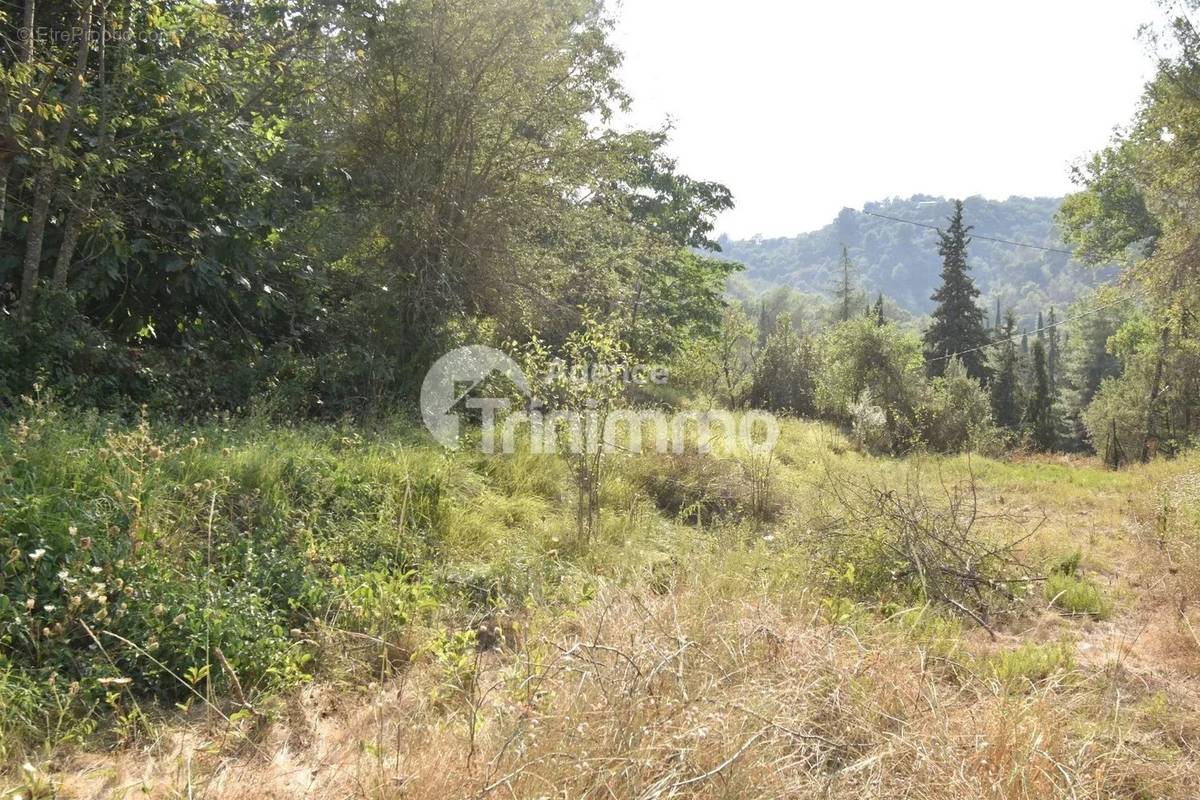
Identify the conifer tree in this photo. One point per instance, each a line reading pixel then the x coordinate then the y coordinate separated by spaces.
pixel 1006 385
pixel 1052 350
pixel 843 291
pixel 958 323
pixel 1039 413
pixel 996 326
pixel 879 318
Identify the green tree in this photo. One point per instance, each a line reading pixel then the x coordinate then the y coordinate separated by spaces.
pixel 957 326
pixel 1053 338
pixel 1006 392
pixel 844 291
pixel 880 319
pixel 858 356
pixel 1039 410
pixel 1137 207
pixel 784 378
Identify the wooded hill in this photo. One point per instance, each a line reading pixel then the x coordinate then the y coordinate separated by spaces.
pixel 901 260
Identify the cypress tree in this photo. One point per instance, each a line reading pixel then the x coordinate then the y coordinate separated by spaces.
pixel 844 289
pixel 958 323
pixel 1052 351
pixel 879 318
pixel 1039 413
pixel 1006 385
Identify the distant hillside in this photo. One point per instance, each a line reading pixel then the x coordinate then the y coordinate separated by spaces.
pixel 902 261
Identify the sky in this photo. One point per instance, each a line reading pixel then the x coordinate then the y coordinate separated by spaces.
pixel 803 108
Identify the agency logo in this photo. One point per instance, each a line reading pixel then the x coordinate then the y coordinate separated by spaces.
pixel 452 387
pixel 453 377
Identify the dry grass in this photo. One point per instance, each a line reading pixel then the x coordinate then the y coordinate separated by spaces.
pixel 721 672
pixel 691 693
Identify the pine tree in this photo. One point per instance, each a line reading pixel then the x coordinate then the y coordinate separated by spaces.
pixel 879 318
pixel 844 291
pixel 1024 342
pixel 1041 328
pixel 1006 385
pixel 996 325
pixel 1039 413
pixel 958 323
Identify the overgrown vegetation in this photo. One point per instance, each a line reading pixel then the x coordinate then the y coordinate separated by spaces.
pixel 235 236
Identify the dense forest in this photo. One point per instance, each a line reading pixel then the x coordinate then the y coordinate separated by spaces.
pixel 203 203
pixel 243 243
pixel 900 260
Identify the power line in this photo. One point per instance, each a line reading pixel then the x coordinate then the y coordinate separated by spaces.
pixel 1064 321
pixel 973 235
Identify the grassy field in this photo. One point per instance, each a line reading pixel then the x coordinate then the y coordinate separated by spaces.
pixel 246 610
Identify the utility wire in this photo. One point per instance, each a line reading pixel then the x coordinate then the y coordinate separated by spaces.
pixel 973 236
pixel 1012 338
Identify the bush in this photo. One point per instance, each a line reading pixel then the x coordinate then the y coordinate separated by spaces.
pixel 1076 595
pixel 869 429
pixel 1031 663
pixel 860 355
pixel 955 414
pixel 784 378
pixel 151 565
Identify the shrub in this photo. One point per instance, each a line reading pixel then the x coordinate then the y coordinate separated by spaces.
pixel 1031 663
pixel 1076 595
pixel 859 355
pixel 955 413
pixel 784 378
pixel 869 430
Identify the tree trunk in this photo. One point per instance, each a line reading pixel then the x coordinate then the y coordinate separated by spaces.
pixel 43 185
pixel 1155 389
pixel 6 164
pixel 30 11
pixel 81 211
pixel 5 168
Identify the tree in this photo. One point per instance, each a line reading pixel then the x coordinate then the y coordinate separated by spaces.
pixel 329 196
pixel 860 356
pixel 1137 207
pixel 1039 412
pixel 721 366
pixel 879 317
pixel 844 291
pixel 958 322
pixel 1052 351
pixel 1087 359
pixel 785 376
pixel 1006 385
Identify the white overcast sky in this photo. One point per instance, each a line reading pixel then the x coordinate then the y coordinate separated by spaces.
pixel 802 108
